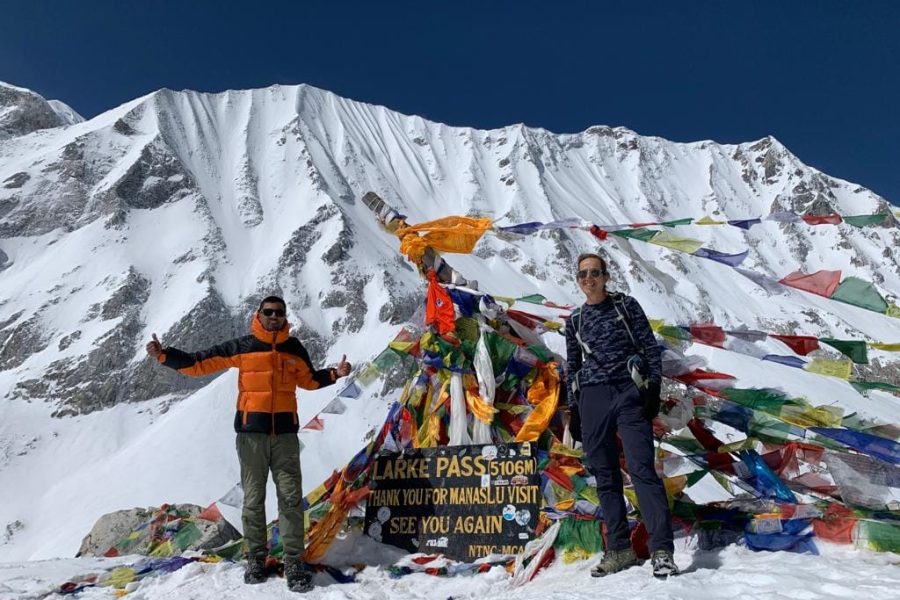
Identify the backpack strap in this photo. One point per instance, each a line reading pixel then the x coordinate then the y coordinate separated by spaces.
pixel 622 312
pixel 576 321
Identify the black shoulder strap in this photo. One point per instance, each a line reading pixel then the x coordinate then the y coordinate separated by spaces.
pixel 622 312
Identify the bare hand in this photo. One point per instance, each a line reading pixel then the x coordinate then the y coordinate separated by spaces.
pixel 154 348
pixel 343 368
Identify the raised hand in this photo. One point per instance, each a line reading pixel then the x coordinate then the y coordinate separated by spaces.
pixel 154 348
pixel 343 368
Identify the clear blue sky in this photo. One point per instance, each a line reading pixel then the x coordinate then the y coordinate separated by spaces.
pixel 823 77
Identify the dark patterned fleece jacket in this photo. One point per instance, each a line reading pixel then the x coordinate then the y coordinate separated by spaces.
pixel 610 345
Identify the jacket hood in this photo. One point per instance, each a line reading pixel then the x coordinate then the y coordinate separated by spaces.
pixel 264 335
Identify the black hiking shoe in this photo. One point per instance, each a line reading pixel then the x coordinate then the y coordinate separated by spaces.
pixel 298 577
pixel 615 561
pixel 663 564
pixel 255 571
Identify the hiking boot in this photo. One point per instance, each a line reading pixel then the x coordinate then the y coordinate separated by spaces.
pixel 663 564
pixel 615 561
pixel 298 577
pixel 255 571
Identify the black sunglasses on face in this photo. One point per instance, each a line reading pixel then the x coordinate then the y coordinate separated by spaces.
pixel 594 273
pixel 272 312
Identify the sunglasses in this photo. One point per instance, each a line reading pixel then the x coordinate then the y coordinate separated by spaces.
pixel 594 273
pixel 272 312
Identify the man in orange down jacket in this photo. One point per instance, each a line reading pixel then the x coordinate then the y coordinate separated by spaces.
pixel 271 365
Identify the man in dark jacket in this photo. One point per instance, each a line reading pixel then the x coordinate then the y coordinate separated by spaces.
pixel 610 351
pixel 271 365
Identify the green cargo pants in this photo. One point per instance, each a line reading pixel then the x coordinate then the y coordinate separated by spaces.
pixel 258 453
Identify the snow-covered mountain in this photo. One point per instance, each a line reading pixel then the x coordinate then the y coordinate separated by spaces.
pixel 22 111
pixel 176 212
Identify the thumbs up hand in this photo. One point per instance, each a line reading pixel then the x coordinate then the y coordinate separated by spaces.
pixel 154 348
pixel 343 368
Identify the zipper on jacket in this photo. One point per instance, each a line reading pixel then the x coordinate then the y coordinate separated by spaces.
pixel 274 379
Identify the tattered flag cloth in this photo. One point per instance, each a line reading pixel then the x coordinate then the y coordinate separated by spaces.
pixel 439 306
pixel 450 234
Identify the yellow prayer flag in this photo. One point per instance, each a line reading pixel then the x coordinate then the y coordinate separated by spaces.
pixel 676 242
pixel 560 448
pixel 893 311
pixel 819 416
pixel 565 504
pixel 506 300
pixel 479 408
pixel 883 346
pixel 449 234
pixel 674 485
pixel 630 494
pixel 576 554
pixel 544 396
pixel 842 369
pixel 657 324
pixel 707 220
pixel 315 495
pixel 571 470
pixel 164 549
pixel 402 346
pixel 121 576
pixel 367 374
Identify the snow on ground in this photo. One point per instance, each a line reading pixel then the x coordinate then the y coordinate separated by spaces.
pixel 730 573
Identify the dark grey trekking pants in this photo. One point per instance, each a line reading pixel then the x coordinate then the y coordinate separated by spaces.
pixel 258 453
pixel 606 409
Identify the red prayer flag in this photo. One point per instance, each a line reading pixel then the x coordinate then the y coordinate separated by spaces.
pixel 527 319
pixel 801 344
pixel 210 513
pixel 708 381
pixel 832 219
pixel 600 234
pixel 709 334
pixel 704 435
pixel 822 283
pixel 639 540
pixel 316 424
pixel 836 525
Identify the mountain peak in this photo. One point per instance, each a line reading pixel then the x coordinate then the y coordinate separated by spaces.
pixel 23 111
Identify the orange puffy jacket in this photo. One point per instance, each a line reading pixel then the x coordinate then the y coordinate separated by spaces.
pixel 271 365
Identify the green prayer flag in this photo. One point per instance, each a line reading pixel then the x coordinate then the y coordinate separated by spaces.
pixel 500 349
pixel 865 220
pixel 533 299
pixel 862 386
pixel 189 534
pixel 543 353
pixel 852 349
pixel 674 332
pixel 696 476
pixel 467 329
pixel 770 401
pixel 644 235
pixel 387 359
pixel 677 222
pixel 579 533
pixel 769 429
pixel 861 293
pixel 884 537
